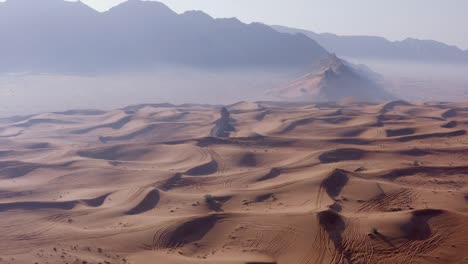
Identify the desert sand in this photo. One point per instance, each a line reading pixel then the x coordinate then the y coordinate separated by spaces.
pixel 251 183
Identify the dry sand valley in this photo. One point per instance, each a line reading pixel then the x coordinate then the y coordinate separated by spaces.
pixel 251 183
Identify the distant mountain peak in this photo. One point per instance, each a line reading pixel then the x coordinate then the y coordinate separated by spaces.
pixel 56 35
pixel 197 14
pixel 142 7
pixel 334 80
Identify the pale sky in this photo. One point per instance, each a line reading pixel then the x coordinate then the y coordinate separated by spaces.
pixel 442 20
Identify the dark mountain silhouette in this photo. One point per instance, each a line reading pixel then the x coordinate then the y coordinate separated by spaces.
pixel 335 79
pixel 56 36
pixel 369 47
pixel 60 36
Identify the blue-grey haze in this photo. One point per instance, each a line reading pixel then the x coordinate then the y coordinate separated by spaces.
pixel 442 20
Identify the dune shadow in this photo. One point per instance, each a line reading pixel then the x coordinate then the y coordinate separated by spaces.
pixel 335 182
pixel 400 132
pixel 273 173
pixel 15 169
pixel 300 122
pixel 30 206
pixel 341 155
pixel 115 153
pixel 248 160
pixel 148 203
pixel 115 125
pixel 415 152
pixel 433 135
pixel 334 226
pixel 40 145
pixel 410 171
pixel 172 182
pixel 451 124
pixel 188 232
pixel 451 113
pixel 417 227
pixel 96 202
pixel 350 141
pixel 353 132
pixel 391 106
pixel 204 169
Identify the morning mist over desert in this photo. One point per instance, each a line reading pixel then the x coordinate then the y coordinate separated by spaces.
pixel 233 132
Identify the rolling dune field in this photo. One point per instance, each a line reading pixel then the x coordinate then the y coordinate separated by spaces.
pixel 249 183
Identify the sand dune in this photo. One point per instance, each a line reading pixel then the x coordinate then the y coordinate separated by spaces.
pixel 249 183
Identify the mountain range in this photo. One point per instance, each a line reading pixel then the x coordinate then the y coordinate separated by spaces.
pixel 61 36
pixel 378 48
pixel 57 36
